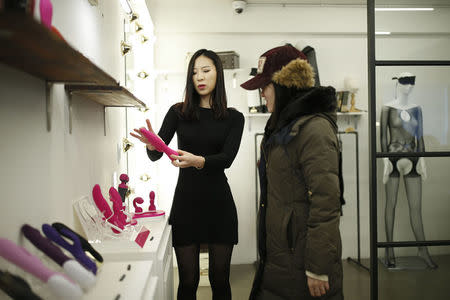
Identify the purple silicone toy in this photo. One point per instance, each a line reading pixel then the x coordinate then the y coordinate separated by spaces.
pixel 44 244
pixel 73 268
pixel 75 249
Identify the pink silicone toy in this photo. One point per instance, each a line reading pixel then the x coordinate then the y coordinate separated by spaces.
pixel 152 201
pixel 46 11
pixel 136 201
pixel 123 181
pixel 152 211
pixel 58 283
pixel 104 208
pixel 158 143
pixel 117 205
pixel 118 208
pixel 101 202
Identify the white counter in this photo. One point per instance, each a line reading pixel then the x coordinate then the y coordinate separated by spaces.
pixel 151 267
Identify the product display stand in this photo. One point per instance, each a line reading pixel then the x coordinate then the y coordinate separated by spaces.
pixel 358 226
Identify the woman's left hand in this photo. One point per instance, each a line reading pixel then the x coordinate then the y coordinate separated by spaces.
pixel 186 160
pixel 317 287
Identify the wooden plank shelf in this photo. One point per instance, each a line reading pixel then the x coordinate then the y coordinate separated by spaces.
pixel 31 47
pixel 106 95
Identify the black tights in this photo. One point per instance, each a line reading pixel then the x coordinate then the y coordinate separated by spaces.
pixel 218 271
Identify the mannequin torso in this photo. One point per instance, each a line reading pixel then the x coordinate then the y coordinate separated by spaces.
pixel 403 127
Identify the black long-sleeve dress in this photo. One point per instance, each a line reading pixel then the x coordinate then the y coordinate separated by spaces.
pixel 203 209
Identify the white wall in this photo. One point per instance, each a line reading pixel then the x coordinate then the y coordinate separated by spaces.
pixel 44 172
pixel 337 34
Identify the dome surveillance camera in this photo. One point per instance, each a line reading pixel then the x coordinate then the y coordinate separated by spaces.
pixel 238 6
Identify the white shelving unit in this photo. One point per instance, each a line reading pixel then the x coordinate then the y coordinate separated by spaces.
pixel 157 253
pixel 350 116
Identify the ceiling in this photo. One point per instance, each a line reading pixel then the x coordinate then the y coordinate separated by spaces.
pixel 423 3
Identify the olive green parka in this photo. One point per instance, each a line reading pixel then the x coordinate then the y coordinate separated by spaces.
pixel 300 201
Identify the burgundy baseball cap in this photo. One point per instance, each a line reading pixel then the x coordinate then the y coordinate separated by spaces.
pixel 271 62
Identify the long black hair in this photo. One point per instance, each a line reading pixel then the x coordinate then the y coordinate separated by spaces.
pixel 189 108
pixel 283 95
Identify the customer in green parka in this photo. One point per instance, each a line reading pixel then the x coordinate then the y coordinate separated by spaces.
pixel 298 221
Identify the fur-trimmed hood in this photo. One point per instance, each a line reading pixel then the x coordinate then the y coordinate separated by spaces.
pixel 310 101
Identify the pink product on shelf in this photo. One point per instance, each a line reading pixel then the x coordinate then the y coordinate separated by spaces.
pixel 149 214
pixel 123 188
pixel 142 236
pixel 100 202
pixel 152 201
pixel 118 208
pixel 58 283
pixel 116 200
pixel 46 11
pixel 158 143
pixel 124 178
pixel 104 208
pixel 152 211
pixel 136 201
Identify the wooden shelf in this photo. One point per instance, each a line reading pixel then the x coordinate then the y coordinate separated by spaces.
pixel 31 47
pixel 105 95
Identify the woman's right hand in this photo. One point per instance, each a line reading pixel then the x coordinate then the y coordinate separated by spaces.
pixel 142 138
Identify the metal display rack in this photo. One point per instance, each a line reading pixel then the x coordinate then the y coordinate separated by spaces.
pixel 356 261
pixel 374 155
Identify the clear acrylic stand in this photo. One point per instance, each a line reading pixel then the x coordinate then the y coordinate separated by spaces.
pixel 97 227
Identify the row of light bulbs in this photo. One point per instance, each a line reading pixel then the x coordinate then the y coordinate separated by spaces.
pixel 125 47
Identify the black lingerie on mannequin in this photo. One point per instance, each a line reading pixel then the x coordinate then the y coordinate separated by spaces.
pixel 403 139
pixel 395 171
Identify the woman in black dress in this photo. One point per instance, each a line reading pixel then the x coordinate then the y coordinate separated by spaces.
pixel 203 209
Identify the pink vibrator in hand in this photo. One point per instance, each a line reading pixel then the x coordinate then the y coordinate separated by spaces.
pixel 158 143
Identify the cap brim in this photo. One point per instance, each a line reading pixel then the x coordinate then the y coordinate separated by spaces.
pixel 257 82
